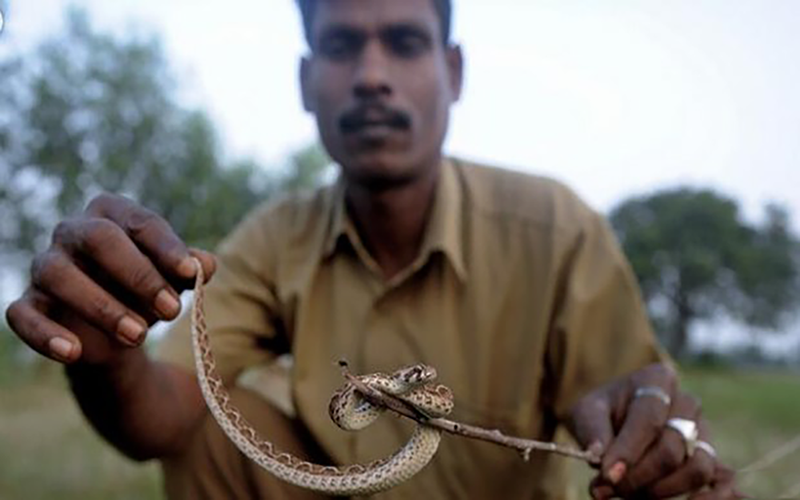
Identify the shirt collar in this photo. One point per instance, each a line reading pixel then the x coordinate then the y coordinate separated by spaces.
pixel 444 231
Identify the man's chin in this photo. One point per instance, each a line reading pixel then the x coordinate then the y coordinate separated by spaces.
pixel 380 171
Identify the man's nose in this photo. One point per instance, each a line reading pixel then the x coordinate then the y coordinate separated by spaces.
pixel 372 74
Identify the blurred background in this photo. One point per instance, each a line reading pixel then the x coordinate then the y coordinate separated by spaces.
pixel 678 120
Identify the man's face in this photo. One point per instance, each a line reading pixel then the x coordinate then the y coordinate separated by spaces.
pixel 380 83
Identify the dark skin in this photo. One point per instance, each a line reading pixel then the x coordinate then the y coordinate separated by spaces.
pixel 380 83
pixel 109 274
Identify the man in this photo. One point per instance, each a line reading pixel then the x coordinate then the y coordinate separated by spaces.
pixel 508 284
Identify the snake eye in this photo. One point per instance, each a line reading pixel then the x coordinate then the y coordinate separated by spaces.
pixel 428 372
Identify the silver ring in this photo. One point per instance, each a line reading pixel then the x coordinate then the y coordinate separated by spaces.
pixel 653 392
pixel 688 431
pixel 702 445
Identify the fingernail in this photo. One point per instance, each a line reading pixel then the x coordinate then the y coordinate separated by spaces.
pixel 596 449
pixel 131 330
pixel 616 472
pixel 187 268
pixel 167 305
pixel 60 348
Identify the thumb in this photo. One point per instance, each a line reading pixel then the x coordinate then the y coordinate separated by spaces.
pixel 590 424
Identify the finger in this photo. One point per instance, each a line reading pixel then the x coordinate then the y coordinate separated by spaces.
pixel 119 262
pixel 723 486
pixel 642 423
pixel 149 231
pixel 692 476
pixel 668 453
pixel 600 489
pixel 719 492
pixel 696 472
pixel 64 282
pixel 591 424
pixel 27 317
pixel 208 261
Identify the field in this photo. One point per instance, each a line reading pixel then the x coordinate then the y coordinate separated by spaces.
pixel 753 414
pixel 47 450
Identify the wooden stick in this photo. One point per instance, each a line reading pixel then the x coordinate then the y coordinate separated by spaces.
pixel 523 446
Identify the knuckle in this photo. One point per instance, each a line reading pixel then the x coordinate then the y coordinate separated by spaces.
pixel 653 421
pixel 699 473
pixel 143 279
pixel 37 325
pixel 670 459
pixel 661 372
pixel 98 233
pixel 140 220
pixel 699 477
pixel 669 463
pixel 147 226
pixel 105 311
pixel 665 467
pixel 13 314
pixel 706 469
pixel 100 203
pixel 592 404
pixel 64 231
pixel 47 267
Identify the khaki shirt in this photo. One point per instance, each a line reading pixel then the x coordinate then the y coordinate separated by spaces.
pixel 520 297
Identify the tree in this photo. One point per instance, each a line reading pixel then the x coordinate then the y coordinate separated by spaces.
pixel 92 113
pixel 87 113
pixel 696 258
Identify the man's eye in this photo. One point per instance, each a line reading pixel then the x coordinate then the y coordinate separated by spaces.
pixel 338 48
pixel 408 44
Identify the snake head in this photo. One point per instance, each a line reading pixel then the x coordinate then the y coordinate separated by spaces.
pixel 415 374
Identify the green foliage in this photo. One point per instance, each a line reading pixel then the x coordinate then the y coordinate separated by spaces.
pixel 94 113
pixel 89 113
pixel 696 258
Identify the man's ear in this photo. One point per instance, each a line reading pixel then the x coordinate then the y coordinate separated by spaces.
pixel 455 68
pixel 305 91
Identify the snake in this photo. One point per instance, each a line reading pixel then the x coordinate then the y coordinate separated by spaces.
pixel 348 408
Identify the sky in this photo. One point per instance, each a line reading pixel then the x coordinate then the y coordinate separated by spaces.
pixel 614 98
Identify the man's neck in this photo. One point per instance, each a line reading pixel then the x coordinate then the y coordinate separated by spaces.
pixel 392 222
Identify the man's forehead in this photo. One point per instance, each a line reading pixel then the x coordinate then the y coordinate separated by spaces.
pixel 372 14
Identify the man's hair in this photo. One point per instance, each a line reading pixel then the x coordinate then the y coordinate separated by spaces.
pixel 444 9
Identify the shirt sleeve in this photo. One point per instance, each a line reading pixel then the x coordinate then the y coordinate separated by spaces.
pixel 600 329
pixel 241 305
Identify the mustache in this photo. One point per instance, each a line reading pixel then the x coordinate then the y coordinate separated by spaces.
pixel 374 114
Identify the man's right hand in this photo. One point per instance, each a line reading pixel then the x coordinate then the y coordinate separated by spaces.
pixel 107 276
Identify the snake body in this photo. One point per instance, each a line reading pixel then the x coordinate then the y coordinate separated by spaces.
pixel 347 408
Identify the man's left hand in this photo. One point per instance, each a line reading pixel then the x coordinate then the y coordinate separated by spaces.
pixel 647 433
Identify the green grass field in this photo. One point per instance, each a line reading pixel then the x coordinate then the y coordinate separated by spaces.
pixel 751 414
pixel 48 451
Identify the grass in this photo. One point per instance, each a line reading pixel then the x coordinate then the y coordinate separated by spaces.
pixel 751 414
pixel 48 451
